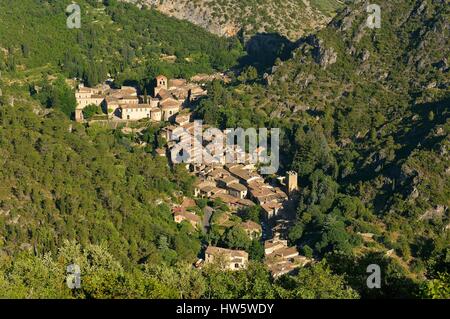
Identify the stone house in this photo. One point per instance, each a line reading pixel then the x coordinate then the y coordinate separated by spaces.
pixel 228 259
pixel 237 190
pixel 270 246
pixel 169 109
pixel 245 176
pixel 231 201
pixel 281 259
pixel 181 215
pixel 227 181
pixel 271 209
pixel 155 114
pixel 135 111
pixel 197 92
pixel 161 84
pixel 169 96
pixel 182 119
pixel 253 230
pixel 203 188
pixel 176 83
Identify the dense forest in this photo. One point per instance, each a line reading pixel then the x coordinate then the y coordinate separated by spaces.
pixel 106 207
pixel 364 119
pixel 130 44
pixel 365 122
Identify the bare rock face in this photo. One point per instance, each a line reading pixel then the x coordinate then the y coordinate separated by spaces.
pixel 321 54
pixel 326 57
pixel 434 213
pixel 191 11
pixel 290 18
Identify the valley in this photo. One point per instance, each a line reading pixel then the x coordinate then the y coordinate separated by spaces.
pixel 91 118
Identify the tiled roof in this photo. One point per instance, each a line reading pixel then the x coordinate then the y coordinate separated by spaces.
pixel 217 251
pixel 170 104
pixel 189 216
pixel 251 225
pixel 238 187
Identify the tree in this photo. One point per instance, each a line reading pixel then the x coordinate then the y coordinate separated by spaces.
pixel 236 237
pixel 437 288
pixel 256 250
pixel 252 213
pixel 25 50
pixel 296 232
pixel 307 251
pixel 317 282
pixel 334 236
pixel 145 96
pixel 58 95
pixel 248 75
pixel 91 110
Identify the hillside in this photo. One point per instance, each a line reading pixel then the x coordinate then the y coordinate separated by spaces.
pixel 97 196
pixel 90 195
pixel 366 125
pixel 291 18
pixel 115 38
pixel 101 190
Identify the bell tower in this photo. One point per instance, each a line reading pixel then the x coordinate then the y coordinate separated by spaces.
pixel 292 182
pixel 161 84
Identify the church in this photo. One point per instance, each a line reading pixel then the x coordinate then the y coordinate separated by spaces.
pixel 124 104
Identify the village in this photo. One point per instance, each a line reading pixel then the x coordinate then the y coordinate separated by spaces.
pixel 236 184
pixel 124 104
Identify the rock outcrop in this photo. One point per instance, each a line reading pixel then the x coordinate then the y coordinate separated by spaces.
pixel 226 18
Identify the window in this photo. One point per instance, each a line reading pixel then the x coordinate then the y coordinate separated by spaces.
pixel 236 265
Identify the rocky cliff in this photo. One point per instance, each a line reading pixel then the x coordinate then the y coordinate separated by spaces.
pixel 291 18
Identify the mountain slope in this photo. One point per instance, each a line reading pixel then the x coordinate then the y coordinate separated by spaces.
pixel 291 18
pixel 364 116
pixel 115 38
pixel 366 122
pixel 62 181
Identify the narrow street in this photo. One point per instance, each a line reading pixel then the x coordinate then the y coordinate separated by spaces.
pixel 207 214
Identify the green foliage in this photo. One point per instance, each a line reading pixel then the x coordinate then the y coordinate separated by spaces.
pixel 25 275
pixel 84 184
pixel 236 237
pixel 317 282
pixel 115 37
pixel 438 288
pixel 248 75
pixel 253 213
pixel 367 134
pixel 256 250
pixel 91 110
pixel 57 95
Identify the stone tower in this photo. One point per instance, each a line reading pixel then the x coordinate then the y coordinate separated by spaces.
pixel 292 182
pixel 161 84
